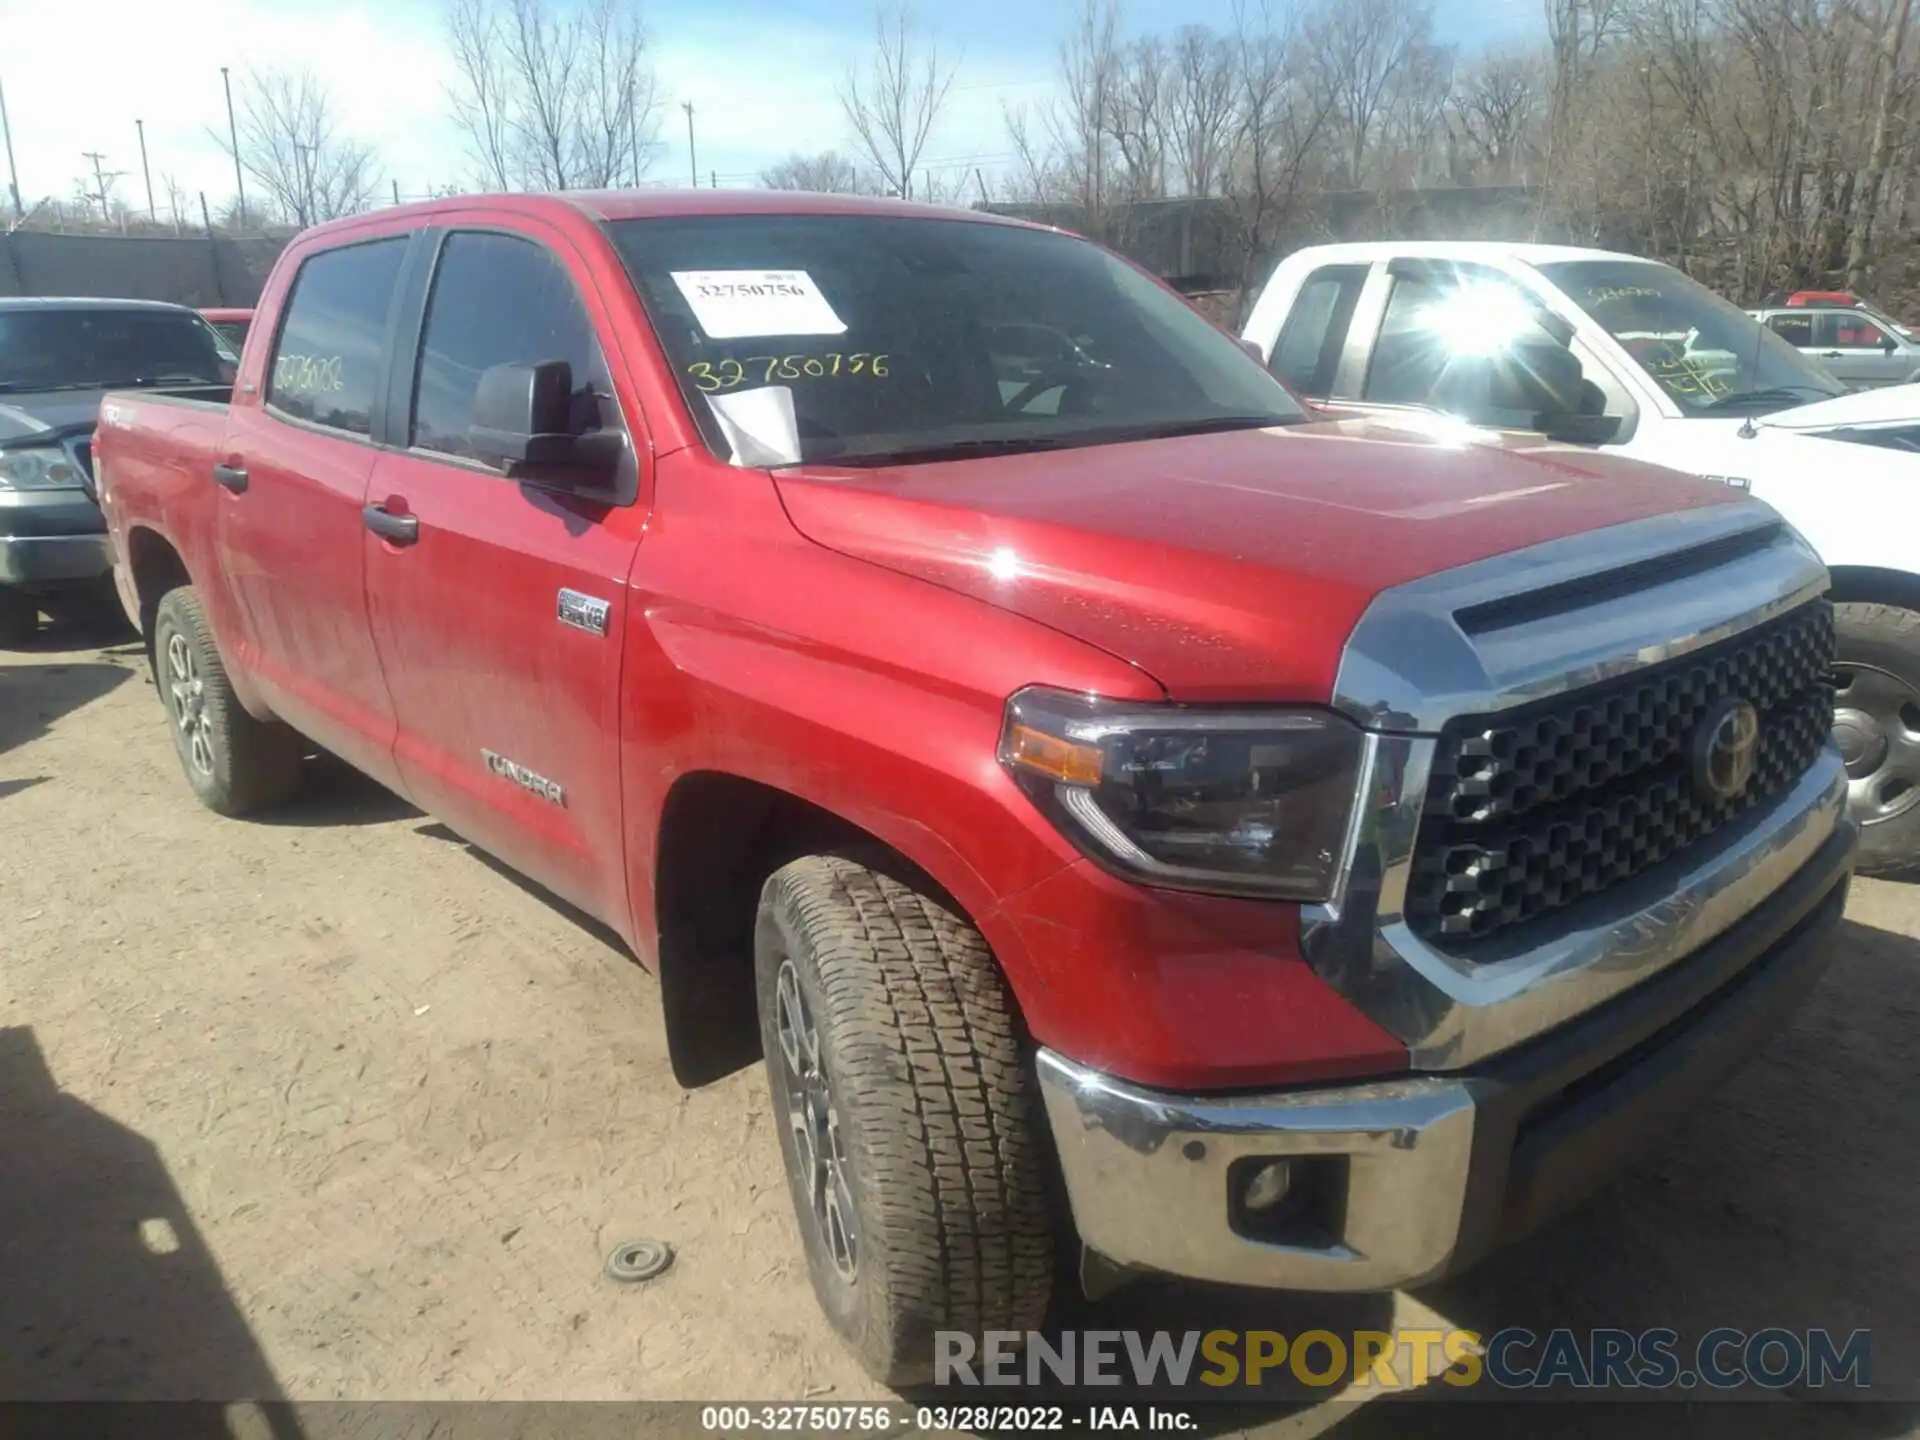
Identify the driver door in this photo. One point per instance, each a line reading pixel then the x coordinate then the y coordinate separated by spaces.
pixel 1859 351
pixel 499 611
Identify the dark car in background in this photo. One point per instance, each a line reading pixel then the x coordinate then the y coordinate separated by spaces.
pixel 57 357
pixel 231 325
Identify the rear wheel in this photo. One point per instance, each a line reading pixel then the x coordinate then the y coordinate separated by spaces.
pixel 909 1117
pixel 1877 723
pixel 234 762
pixel 19 617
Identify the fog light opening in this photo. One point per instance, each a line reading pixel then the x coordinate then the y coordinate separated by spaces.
pixel 1269 1188
pixel 1296 1200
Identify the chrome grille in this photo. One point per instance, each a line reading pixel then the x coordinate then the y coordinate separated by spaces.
pixel 1534 808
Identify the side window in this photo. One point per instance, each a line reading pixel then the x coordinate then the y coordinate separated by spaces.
pixel 1857 332
pixel 326 362
pixel 1307 353
pixel 1796 330
pixel 501 300
pixel 1468 342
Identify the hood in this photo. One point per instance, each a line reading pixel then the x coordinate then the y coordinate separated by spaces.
pixel 61 411
pixel 1230 566
pixel 1863 407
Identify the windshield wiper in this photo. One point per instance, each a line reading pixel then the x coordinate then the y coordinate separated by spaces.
pixel 1778 397
pixel 985 446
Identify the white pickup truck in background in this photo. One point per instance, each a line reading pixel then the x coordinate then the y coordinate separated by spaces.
pixel 1596 348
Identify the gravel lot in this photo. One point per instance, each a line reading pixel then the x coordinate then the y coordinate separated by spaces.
pixel 331 1106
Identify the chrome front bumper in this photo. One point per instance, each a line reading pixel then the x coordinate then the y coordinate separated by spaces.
pixel 1440 1169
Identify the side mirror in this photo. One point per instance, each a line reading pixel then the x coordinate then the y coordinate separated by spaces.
pixel 1570 429
pixel 228 371
pixel 523 419
pixel 1252 347
pixel 1888 344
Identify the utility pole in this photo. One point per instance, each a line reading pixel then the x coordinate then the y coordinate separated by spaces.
pixel 713 179
pixel 146 174
pixel 396 192
pixel 693 165
pixel 233 135
pixel 99 180
pixel 13 175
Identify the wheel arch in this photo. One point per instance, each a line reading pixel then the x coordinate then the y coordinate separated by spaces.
pixel 720 835
pixel 1874 585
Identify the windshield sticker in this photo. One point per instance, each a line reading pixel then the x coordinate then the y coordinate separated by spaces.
pixel 759 425
pixel 730 374
pixel 1599 295
pixel 737 304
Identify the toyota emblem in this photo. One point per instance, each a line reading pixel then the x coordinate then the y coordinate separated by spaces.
pixel 1725 744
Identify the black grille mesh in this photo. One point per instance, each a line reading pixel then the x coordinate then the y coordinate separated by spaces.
pixel 1537 807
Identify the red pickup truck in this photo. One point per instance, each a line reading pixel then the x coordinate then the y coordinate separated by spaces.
pixel 1315 851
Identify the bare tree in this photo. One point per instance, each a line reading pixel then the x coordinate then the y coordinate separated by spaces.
pixel 1363 49
pixel 553 97
pixel 1200 107
pixel 1284 112
pixel 292 148
pixel 828 173
pixel 895 106
pixel 1492 113
pixel 1139 117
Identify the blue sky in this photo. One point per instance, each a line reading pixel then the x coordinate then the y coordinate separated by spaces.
pixel 761 75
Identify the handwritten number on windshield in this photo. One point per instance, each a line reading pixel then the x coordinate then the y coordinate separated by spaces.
pixel 727 374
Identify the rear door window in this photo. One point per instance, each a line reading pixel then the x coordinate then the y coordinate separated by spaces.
pixel 1307 354
pixel 332 346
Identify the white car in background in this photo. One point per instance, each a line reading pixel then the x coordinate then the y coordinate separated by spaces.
pixel 1597 348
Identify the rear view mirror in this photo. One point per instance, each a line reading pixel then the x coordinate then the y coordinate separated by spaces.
pixel 523 419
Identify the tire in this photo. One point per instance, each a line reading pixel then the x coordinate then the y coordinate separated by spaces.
pixel 1877 722
pixel 19 618
pixel 235 763
pixel 920 1072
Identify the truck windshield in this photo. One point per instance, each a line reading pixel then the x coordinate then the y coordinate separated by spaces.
pixel 1707 353
pixel 95 349
pixel 903 339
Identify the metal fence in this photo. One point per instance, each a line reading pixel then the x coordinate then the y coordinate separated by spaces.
pixel 197 270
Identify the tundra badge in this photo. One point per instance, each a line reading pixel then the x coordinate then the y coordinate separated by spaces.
pixel 583 612
pixel 526 779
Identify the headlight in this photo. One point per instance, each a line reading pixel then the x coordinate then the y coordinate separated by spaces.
pixel 1249 802
pixel 45 468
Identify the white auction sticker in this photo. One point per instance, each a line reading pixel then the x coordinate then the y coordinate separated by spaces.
pixel 735 304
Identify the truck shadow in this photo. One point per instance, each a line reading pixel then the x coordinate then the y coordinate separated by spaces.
pixel 1786 1200
pixel 33 697
pixel 332 792
pixel 110 1294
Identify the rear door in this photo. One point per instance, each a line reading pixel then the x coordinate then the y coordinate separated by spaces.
pixel 293 477
pixel 500 623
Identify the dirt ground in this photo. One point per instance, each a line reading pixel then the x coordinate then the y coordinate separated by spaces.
pixel 331 1107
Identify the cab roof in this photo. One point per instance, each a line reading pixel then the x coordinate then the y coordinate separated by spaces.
pixel 601 205
pixel 1530 254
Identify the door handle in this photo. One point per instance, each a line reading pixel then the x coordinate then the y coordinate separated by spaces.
pixel 1831 355
pixel 231 477
pixel 400 529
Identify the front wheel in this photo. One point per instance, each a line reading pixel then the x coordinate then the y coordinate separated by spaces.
pixel 234 762
pixel 1876 720
pixel 909 1117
